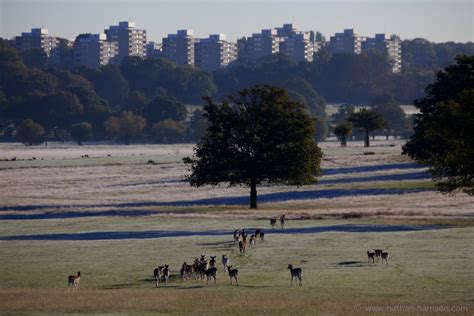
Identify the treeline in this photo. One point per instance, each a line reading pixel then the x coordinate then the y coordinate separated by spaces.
pixel 144 100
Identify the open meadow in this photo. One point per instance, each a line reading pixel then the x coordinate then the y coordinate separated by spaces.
pixel 123 210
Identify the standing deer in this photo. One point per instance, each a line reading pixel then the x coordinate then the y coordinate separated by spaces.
pixel 295 274
pixel 378 253
pixel 73 280
pixel 384 256
pixel 273 222
pixel 236 235
pixel 225 261
pixel 166 273
pixel 212 262
pixel 211 273
pixel 233 273
pixel 370 255
pixel 252 240
pixel 282 220
pixel 157 274
pixel 243 243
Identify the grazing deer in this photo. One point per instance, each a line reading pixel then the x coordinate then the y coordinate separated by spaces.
pixel 370 255
pixel 73 280
pixel 157 274
pixel 295 274
pixel 384 256
pixel 233 273
pixel 378 253
pixel 211 273
pixel 212 262
pixel 252 240
pixel 273 222
pixel 243 243
pixel 225 261
pixel 282 220
pixel 166 273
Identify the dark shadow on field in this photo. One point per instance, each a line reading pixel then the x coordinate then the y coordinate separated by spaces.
pixel 351 264
pixel 393 166
pixel 121 235
pixel 228 200
pixel 384 177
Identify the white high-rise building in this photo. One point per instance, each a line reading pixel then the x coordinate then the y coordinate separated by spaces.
pixel 298 47
pixel 348 42
pixel 214 52
pixel 131 41
pixel 265 43
pixel 38 38
pixel 389 44
pixel 94 51
pixel 179 47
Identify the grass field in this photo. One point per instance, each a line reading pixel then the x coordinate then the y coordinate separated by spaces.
pixel 58 218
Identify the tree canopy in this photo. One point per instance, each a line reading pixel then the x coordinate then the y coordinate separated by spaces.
pixel 259 135
pixel 368 121
pixel 443 137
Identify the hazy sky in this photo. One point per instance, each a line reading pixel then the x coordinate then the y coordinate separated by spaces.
pixel 436 20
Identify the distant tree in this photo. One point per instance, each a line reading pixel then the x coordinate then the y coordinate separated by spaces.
pixel 30 133
pixel 164 108
pixel 63 108
pixel 35 58
pixel 394 116
pixel 197 126
pixel 258 136
pixel 368 121
pixel 81 132
pixel 343 113
pixel 443 137
pixel 127 128
pixel 168 131
pixel 343 130
pixel 136 101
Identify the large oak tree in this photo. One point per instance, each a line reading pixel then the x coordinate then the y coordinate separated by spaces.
pixel 260 135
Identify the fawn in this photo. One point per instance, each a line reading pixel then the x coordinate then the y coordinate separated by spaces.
pixel 243 244
pixel 295 274
pixel 157 274
pixel 225 261
pixel 73 280
pixel 166 273
pixel 233 273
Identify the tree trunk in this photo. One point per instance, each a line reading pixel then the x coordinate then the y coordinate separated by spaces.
pixel 367 139
pixel 343 141
pixel 253 193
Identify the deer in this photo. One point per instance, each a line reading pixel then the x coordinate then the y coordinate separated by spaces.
pixel 233 273
pixel 157 274
pixel 378 253
pixel 243 244
pixel 204 262
pixel 384 256
pixel 166 273
pixel 252 240
pixel 211 273
pixel 273 222
pixel 212 262
pixel 295 274
pixel 186 271
pixel 236 235
pixel 370 255
pixel 225 261
pixel 73 280
pixel 282 220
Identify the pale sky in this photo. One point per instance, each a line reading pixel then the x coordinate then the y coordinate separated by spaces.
pixel 436 20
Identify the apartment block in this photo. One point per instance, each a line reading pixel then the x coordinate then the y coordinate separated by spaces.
pixel 93 50
pixel 154 50
pixel 298 47
pixel 265 43
pixel 348 42
pixel 131 40
pixel 389 44
pixel 179 47
pixel 214 52
pixel 38 38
